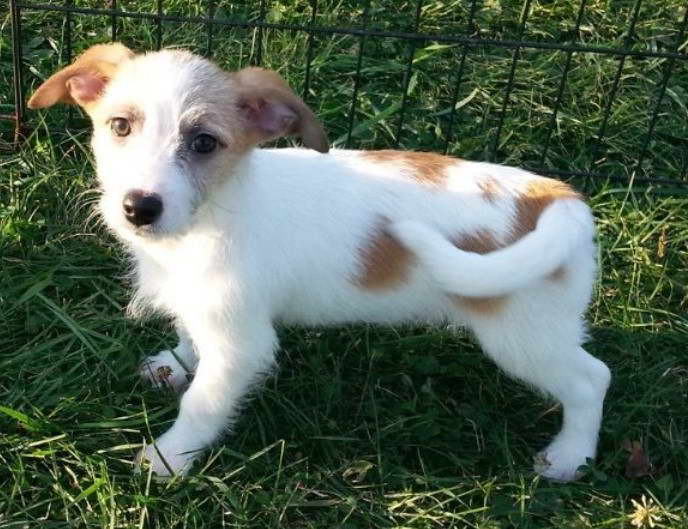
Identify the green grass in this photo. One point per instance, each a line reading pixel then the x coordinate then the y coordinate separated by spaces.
pixel 361 426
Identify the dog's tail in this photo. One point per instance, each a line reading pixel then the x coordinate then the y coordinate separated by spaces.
pixel 563 225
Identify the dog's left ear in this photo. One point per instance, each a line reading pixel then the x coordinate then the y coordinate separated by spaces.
pixel 271 110
pixel 83 81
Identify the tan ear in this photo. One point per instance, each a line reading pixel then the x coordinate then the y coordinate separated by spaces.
pixel 271 110
pixel 83 81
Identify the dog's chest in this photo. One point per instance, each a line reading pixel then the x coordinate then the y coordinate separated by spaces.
pixel 190 274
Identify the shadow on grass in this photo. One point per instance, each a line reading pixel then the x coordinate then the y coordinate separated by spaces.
pixel 368 426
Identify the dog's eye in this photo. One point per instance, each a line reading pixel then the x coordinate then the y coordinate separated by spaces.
pixel 120 126
pixel 203 143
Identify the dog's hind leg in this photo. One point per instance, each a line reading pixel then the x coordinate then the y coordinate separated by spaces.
pixel 580 385
pixel 233 354
pixel 537 340
pixel 171 368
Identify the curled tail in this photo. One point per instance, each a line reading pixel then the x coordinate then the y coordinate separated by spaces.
pixel 562 226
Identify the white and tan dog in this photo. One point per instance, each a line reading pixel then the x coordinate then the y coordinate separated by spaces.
pixel 229 240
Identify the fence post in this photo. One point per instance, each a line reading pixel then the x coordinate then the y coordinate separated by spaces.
pixel 17 73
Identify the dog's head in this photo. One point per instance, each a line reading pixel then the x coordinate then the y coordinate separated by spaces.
pixel 169 126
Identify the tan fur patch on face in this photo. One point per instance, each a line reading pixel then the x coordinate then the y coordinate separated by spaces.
pixel 539 194
pixel 270 109
pixel 385 262
pixel 83 81
pixel 426 167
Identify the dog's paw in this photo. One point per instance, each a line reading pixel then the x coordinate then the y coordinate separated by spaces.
pixel 559 462
pixel 166 458
pixel 163 370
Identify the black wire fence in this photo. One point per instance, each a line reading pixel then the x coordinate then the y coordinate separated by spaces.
pixel 455 76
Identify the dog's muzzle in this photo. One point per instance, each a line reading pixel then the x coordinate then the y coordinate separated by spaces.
pixel 142 209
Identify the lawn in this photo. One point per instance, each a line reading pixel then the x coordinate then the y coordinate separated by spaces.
pixel 361 426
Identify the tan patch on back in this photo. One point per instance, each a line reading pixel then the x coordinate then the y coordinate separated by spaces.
pixel 490 189
pixel 538 194
pixel 426 167
pixel 482 306
pixel 386 263
pixel 482 242
pixel 558 275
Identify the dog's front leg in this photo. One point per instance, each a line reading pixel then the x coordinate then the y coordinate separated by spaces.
pixel 232 353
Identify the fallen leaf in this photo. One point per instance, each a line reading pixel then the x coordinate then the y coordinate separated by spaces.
pixel 661 244
pixel 637 464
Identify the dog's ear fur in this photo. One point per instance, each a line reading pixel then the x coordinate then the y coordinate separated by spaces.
pixel 82 82
pixel 271 110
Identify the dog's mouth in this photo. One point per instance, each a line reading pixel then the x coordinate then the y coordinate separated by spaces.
pixel 157 231
pixel 149 230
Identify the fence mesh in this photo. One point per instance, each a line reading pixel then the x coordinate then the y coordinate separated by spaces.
pixel 572 89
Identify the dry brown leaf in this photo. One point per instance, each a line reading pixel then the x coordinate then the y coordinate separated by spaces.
pixel 638 463
pixel 661 244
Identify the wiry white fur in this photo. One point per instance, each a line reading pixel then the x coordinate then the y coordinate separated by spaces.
pixel 280 241
pixel 252 240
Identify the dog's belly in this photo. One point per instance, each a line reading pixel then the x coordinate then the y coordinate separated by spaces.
pixel 412 303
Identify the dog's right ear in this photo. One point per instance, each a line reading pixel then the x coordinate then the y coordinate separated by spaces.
pixel 83 81
pixel 270 109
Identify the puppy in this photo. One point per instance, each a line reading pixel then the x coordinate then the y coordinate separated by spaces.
pixel 229 239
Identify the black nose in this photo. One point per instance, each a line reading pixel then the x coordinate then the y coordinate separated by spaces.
pixel 140 208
